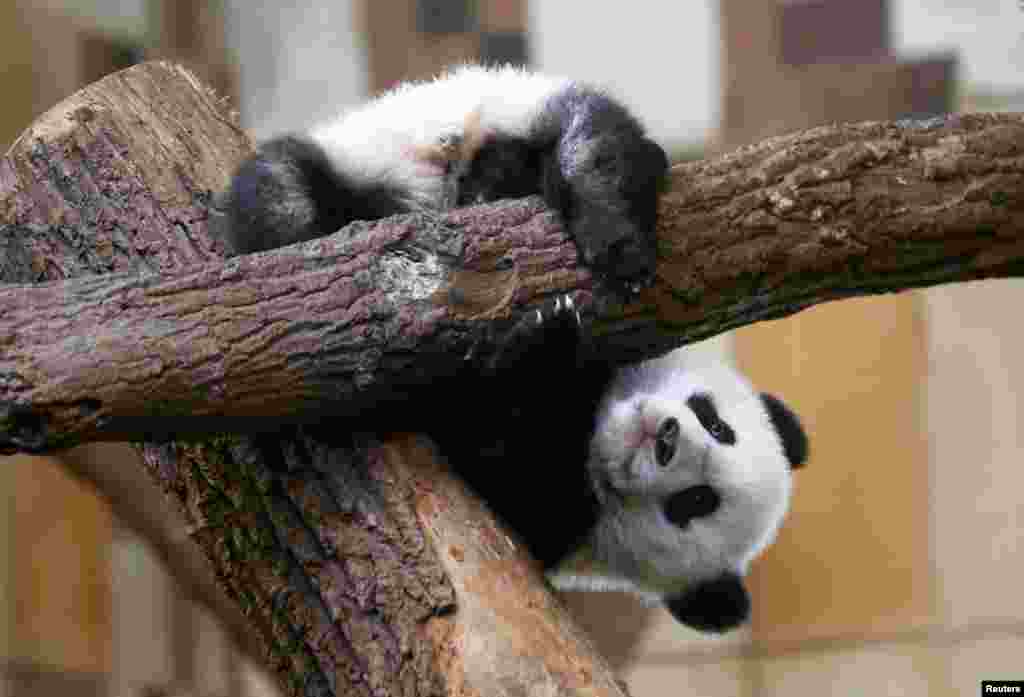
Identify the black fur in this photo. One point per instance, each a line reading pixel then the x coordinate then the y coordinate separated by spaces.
pixel 288 192
pixel 604 178
pixel 524 455
pixel 698 501
pixel 791 432
pixel 712 606
pixel 518 439
pixel 704 409
pixel 503 167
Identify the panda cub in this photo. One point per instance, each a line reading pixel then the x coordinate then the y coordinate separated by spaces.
pixel 662 479
pixel 476 134
pixel 656 479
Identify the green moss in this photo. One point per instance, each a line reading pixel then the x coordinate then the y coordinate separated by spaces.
pixel 280 566
pixel 313 518
pixel 246 601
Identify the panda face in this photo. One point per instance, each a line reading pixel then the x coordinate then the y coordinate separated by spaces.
pixel 692 478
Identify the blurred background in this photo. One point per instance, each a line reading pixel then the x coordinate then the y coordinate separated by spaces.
pixel 900 569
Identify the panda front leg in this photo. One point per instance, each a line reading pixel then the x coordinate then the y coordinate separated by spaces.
pixel 546 368
pixel 604 176
pixel 544 341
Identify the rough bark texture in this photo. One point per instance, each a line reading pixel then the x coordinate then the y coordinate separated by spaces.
pixel 360 314
pixel 330 562
pixel 362 567
pixel 838 211
pixel 378 308
pixel 374 572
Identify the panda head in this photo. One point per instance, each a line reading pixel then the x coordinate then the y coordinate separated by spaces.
pixel 693 473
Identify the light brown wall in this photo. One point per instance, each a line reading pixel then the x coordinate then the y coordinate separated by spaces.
pixel 38 63
pixel 15 73
pixel 853 558
pixel 396 51
pixel 61 584
pixel 762 96
pixel 56 595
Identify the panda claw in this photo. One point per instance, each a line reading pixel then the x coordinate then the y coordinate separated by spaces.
pixel 557 310
pixel 570 305
pixel 565 303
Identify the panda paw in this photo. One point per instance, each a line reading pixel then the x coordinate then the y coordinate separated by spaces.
pixel 610 204
pixel 627 263
pixel 541 341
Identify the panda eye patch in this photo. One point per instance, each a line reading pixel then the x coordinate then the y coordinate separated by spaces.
pixel 704 409
pixel 690 503
pixel 665 442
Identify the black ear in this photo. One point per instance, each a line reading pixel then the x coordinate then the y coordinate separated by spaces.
pixel 787 425
pixel 712 606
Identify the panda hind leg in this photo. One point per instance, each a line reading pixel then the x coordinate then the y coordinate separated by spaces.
pixel 289 191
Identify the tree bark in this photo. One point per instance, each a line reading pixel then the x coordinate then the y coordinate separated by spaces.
pixel 366 569
pixel 371 570
pixel 373 311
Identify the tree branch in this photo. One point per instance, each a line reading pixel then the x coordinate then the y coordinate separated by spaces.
pixel 839 211
pixel 374 310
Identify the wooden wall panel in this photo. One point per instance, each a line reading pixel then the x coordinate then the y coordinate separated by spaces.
pixel 504 15
pixel 853 559
pixel 396 51
pixel 61 578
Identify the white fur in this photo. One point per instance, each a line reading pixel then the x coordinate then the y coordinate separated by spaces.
pixel 633 539
pixel 403 137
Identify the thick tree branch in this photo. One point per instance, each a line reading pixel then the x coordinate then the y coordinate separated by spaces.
pixel 838 211
pixel 358 315
pixel 372 311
